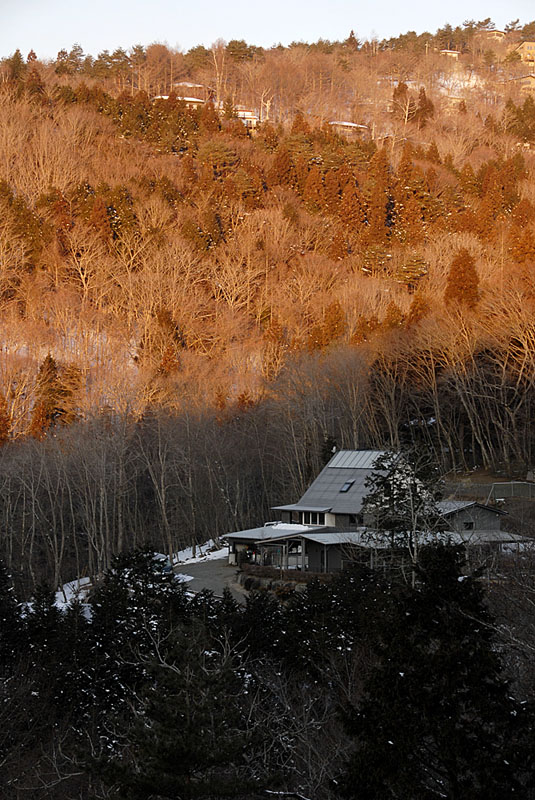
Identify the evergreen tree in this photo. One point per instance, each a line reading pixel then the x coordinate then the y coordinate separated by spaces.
pixel 5 422
pixel 282 171
pixel 437 719
pixel 351 209
pixel 300 125
pixel 379 199
pixel 190 736
pixel 16 66
pixel 313 189
pixel 46 409
pixel 462 282
pixel 418 310
pixel 433 153
pixel 11 626
pixel 467 180
pixel 425 109
pixel 334 322
pixel 208 119
pixel 332 191
pixel 401 504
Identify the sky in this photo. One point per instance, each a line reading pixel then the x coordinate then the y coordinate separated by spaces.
pixel 47 26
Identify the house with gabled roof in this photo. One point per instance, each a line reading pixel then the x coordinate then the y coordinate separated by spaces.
pixel 335 497
pixel 525 83
pixel 322 531
pixel 526 51
pixel 468 515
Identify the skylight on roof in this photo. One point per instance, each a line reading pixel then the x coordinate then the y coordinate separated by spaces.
pixel 347 486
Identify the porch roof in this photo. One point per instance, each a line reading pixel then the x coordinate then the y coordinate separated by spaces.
pixel 364 537
pixel 302 507
pixel 266 532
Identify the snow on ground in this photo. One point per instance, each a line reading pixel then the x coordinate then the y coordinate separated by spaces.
pixel 204 552
pixel 80 588
pixel 77 589
pixel 184 578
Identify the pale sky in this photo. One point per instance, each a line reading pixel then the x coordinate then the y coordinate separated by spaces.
pixel 49 25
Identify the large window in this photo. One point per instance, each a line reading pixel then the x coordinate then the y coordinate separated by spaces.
pixel 313 518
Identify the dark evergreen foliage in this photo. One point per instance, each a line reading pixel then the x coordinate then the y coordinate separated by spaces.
pixel 437 719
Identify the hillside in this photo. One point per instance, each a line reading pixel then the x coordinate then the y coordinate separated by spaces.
pixel 250 297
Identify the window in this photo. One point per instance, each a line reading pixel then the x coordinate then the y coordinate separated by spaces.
pixel 347 486
pixel 313 518
pixel 468 526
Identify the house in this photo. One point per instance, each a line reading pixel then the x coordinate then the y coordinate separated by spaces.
pixel 325 529
pixel 526 51
pixel 247 116
pixel 467 515
pixel 335 497
pixel 323 550
pixel 248 544
pixel 526 83
pixel 191 102
pixel 490 36
pixel 453 54
pixel 351 130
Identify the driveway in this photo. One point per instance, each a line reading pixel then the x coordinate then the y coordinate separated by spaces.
pixel 214 576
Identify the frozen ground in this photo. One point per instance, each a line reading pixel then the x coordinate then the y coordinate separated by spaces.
pixel 205 553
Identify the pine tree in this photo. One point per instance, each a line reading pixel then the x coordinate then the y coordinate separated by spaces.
pixel 462 284
pixel 300 175
pixel 282 171
pixel 351 209
pixel 418 310
pixel 401 503
pixel 433 154
pixel 379 199
pixel 467 180
pixel 46 409
pixel 11 625
pixel 338 246
pixel 5 422
pixel 34 84
pixel 334 322
pixel 300 125
pixel 189 735
pixel 425 109
pixel 405 170
pixel 332 191
pixel 313 189
pixel 208 119
pixel 522 245
pixel 393 317
pixel 437 719
pixel 16 66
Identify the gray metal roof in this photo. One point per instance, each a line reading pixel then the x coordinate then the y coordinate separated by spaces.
pixel 447 507
pixel 266 532
pixel 323 536
pixel 488 537
pixel 355 459
pixel 300 507
pixel 344 466
pixel 366 537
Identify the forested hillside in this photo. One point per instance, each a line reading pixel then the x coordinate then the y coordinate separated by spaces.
pixel 193 313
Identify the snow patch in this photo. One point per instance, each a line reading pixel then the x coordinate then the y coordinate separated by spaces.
pixel 203 552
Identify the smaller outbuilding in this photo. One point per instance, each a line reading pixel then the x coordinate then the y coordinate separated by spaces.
pixel 468 515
